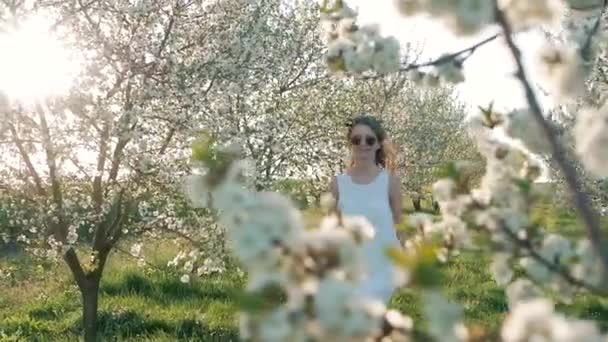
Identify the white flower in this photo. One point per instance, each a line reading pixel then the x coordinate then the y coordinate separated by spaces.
pixel 430 80
pixel 360 227
pixel 591 137
pixel 500 268
pixel 535 269
pixel 470 16
pixel 326 243
pixel 422 220
pixel 276 326
pixel 185 278
pixel 589 267
pixel 524 14
pixel 415 76
pixel 443 189
pixel 386 58
pixel 565 331
pixel 451 72
pixel 521 290
pixel 136 249
pixel 398 320
pixel 340 309
pixel 528 321
pixel 535 320
pixel 520 124
pixel 189 266
pixel 563 71
pixel 556 249
pixel 442 315
pixel 328 202
pixel 197 190
pixel 72 235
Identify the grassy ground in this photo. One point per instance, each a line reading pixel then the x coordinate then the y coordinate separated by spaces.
pixel 41 303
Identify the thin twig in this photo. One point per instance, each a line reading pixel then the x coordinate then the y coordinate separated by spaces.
pixel 452 56
pixel 526 245
pixel 581 201
pixel 586 50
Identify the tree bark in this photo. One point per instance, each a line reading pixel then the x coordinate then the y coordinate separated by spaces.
pixel 88 284
pixel 436 206
pixel 416 203
pixel 90 302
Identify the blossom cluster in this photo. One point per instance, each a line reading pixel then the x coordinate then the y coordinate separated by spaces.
pixel 309 279
pixel 354 48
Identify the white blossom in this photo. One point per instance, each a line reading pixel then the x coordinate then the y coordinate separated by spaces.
pixel 588 268
pixel 276 326
pixel 521 289
pixel 442 315
pixel 524 14
pixel 443 189
pixel 591 136
pixel 536 320
pixel 136 249
pixel 341 309
pixel 451 72
pixel 500 268
pixel 563 71
pixel 520 124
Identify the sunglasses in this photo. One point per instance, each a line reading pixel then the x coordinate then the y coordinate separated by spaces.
pixel 358 140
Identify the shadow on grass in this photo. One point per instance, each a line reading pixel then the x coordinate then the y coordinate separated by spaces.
pixel 168 289
pixel 118 325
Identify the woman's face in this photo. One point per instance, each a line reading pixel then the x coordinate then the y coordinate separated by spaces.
pixel 364 143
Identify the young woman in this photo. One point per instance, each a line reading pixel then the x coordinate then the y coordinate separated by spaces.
pixel 369 188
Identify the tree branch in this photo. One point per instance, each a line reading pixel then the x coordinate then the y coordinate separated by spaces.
pixel 71 258
pixel 50 157
pixel 444 59
pixel 26 159
pixel 531 250
pixel 581 201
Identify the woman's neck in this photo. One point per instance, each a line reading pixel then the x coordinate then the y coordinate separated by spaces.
pixel 364 166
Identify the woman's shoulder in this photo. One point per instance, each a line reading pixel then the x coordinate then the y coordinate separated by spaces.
pixel 392 176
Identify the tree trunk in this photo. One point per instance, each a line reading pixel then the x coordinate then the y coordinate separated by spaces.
pixel 436 206
pixel 416 203
pixel 90 301
pixel 88 284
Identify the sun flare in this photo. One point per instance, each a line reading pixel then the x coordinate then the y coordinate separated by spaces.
pixel 33 63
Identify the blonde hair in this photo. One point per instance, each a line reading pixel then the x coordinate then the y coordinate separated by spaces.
pixel 386 156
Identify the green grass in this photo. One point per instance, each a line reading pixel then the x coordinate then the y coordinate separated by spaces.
pixel 136 304
pixel 41 302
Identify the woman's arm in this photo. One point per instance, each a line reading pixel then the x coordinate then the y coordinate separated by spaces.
pixel 395 198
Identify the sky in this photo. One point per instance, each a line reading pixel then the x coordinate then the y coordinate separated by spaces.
pixel 488 72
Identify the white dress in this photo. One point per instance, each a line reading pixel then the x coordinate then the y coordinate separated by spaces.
pixel 372 202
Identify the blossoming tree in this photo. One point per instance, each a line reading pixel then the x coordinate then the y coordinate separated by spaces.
pixel 318 270
pixel 103 163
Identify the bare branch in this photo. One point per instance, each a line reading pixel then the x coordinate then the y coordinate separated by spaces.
pixel 28 162
pixel 467 52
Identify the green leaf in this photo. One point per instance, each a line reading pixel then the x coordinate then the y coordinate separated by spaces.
pixel 524 185
pixel 201 148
